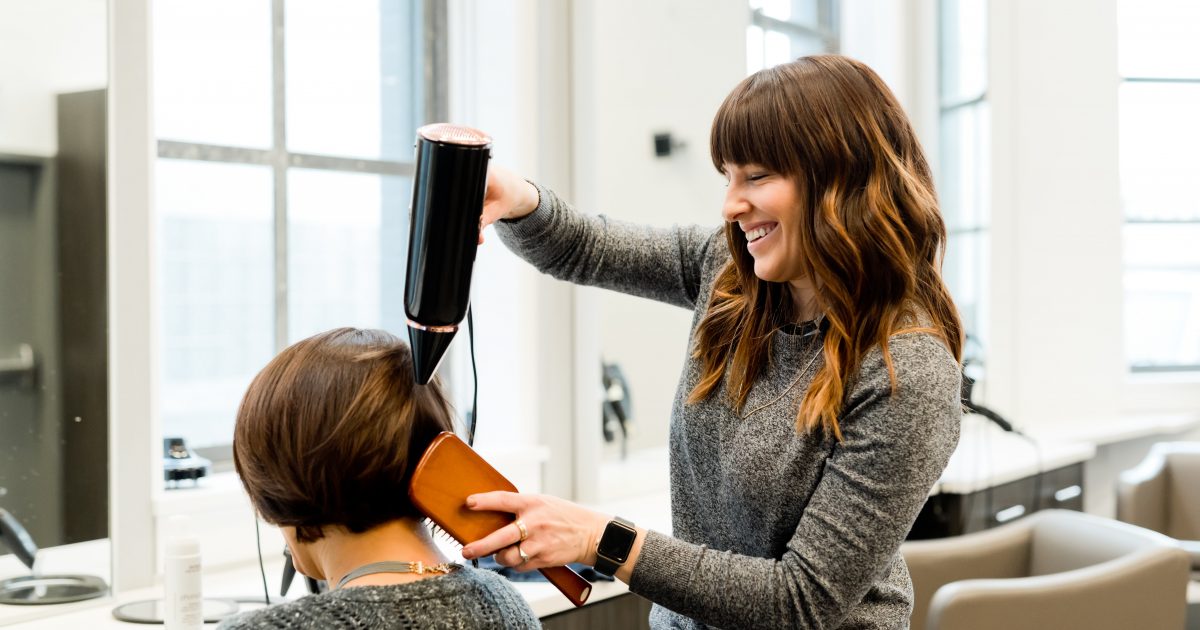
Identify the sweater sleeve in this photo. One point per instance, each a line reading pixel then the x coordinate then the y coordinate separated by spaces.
pixel 874 483
pixel 663 264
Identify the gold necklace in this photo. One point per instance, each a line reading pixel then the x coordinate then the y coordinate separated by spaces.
pixel 799 376
pixel 417 567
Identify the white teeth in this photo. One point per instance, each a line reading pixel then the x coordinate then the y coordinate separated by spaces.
pixel 757 233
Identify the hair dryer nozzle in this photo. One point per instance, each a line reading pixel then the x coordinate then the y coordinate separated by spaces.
pixel 428 348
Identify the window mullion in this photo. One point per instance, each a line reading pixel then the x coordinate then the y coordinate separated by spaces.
pixel 1187 221
pixel 349 164
pixel 436 101
pixel 766 22
pixel 950 106
pixel 175 150
pixel 1191 80
pixel 828 24
pixel 279 166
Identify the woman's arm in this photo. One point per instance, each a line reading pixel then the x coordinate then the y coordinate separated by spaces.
pixel 664 264
pixel 874 484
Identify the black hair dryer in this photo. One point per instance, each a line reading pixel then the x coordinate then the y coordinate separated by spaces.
pixel 447 204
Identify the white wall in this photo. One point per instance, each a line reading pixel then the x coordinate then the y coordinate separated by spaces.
pixel 1056 260
pixel 641 68
pixel 46 48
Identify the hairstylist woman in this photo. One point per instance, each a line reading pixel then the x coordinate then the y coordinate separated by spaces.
pixel 820 401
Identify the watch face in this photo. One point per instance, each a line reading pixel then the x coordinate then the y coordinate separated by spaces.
pixel 616 542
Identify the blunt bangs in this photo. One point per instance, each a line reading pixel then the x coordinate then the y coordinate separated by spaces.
pixel 751 126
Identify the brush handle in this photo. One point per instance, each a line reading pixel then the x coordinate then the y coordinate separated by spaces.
pixel 569 583
pixel 446 475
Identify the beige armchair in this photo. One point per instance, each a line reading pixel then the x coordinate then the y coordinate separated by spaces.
pixel 1053 569
pixel 1163 494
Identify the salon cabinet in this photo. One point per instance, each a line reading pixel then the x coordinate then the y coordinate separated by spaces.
pixel 950 514
pixel 996 476
pixel 622 611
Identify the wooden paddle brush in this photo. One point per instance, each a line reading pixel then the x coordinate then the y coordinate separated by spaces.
pixel 447 474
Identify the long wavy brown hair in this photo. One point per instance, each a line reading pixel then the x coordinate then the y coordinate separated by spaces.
pixel 872 236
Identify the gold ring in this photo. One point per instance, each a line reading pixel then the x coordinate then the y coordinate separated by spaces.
pixel 521 528
pixel 521 552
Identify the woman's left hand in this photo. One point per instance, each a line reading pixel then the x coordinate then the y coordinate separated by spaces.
pixel 558 532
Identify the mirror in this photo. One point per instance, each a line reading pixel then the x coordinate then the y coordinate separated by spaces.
pixel 53 320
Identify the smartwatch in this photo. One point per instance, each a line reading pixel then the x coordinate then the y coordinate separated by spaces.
pixel 615 545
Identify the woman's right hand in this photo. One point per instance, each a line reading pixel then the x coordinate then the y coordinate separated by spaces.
pixel 508 196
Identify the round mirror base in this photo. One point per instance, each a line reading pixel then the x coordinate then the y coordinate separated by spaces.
pixel 151 610
pixel 32 590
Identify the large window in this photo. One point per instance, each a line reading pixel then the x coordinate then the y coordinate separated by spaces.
pixel 1159 57
pixel 285 154
pixel 784 30
pixel 963 164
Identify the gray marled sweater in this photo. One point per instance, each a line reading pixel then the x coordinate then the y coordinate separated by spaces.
pixel 772 529
pixel 467 599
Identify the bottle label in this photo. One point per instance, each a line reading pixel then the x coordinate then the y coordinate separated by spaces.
pixel 184 605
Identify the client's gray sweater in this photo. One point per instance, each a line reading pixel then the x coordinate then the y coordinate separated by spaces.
pixel 467 599
pixel 772 528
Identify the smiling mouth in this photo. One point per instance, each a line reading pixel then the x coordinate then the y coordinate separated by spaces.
pixel 759 232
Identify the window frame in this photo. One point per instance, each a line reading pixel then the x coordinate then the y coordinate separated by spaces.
pixel 1156 369
pixel 980 227
pixel 137 501
pixel 278 157
pixel 826 30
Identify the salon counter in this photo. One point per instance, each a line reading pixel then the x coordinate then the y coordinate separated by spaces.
pixel 245 581
pixel 987 456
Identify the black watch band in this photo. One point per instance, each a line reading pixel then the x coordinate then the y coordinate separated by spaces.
pixel 615 545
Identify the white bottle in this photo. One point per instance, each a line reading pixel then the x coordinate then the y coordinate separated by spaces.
pixel 183 607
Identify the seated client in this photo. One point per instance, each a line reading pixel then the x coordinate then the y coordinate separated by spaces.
pixel 326 440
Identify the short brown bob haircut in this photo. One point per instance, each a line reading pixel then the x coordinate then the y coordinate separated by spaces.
pixel 329 431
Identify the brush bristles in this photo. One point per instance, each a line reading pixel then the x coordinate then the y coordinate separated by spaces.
pixel 441 533
pixel 438 532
